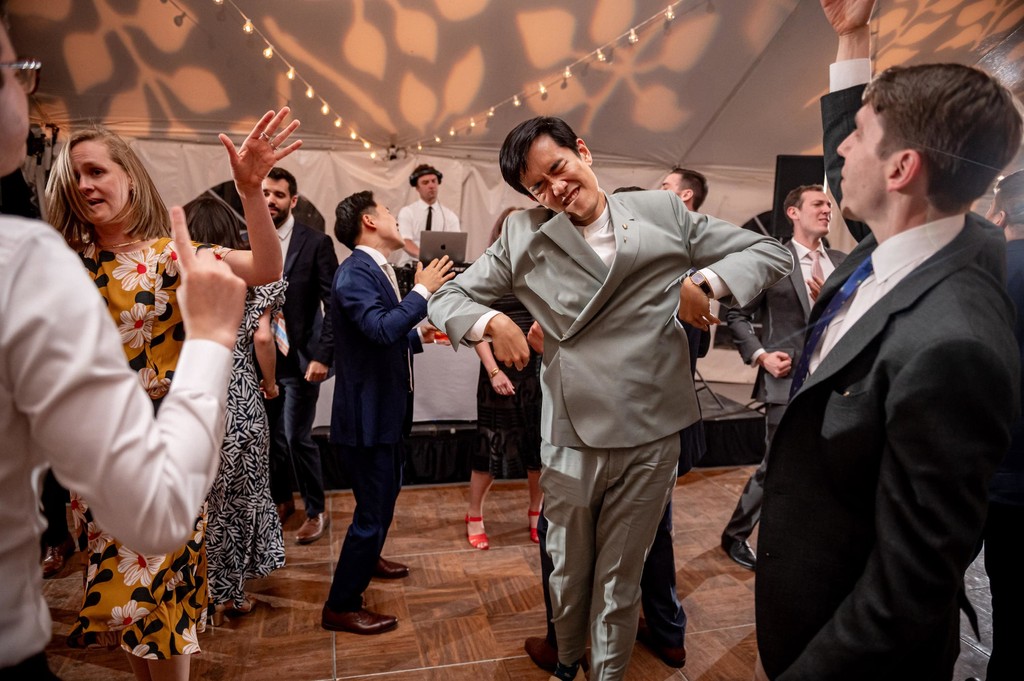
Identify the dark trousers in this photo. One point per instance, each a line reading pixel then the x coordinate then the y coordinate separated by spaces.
pixel 55 501
pixel 748 509
pixel 376 475
pixel 34 668
pixel 292 450
pixel 1002 532
pixel 662 610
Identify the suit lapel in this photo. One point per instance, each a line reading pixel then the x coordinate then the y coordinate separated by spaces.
pixel 627 245
pixel 567 236
pixel 956 255
pixel 294 247
pixel 796 278
pixel 378 274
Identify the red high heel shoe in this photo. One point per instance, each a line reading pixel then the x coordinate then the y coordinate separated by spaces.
pixel 477 541
pixel 533 528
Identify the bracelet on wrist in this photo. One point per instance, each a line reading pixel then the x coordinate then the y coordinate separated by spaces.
pixel 494 372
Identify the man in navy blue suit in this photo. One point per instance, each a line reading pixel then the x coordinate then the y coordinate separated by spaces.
pixel 375 335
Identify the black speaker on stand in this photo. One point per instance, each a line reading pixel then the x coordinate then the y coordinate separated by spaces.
pixel 790 173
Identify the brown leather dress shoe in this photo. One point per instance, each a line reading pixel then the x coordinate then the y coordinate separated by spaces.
pixel 56 557
pixel 543 654
pixel 388 570
pixel 361 621
pixel 313 529
pixel 670 655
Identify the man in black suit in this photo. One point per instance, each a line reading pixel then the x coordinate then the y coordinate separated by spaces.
pixel 376 333
pixel 1005 518
pixel 309 266
pixel 877 482
pixel 782 312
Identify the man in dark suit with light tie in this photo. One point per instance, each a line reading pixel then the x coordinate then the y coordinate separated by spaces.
pixel 309 265
pixel 908 383
pixel 606 279
pixel 376 334
pixel 782 312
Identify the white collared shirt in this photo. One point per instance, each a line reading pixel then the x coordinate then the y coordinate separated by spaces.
pixel 806 262
pixel 893 261
pixel 284 234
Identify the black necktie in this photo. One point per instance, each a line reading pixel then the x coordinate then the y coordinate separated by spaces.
pixel 430 217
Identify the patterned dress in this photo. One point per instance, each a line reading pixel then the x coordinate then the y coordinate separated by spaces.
pixel 153 606
pixel 243 533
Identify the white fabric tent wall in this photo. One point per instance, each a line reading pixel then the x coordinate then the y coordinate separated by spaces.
pixel 472 187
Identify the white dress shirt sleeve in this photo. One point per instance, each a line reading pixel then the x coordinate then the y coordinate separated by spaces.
pixel 84 410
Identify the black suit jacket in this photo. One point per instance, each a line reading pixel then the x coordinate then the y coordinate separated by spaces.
pixel 875 492
pixel 309 268
pixel 782 311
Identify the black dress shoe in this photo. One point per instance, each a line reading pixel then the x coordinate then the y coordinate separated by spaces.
pixel 388 570
pixel 671 655
pixel 361 621
pixel 739 550
pixel 543 654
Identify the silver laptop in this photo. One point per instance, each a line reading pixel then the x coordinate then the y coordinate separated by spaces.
pixel 435 244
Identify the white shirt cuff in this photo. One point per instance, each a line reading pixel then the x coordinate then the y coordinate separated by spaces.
pixel 422 290
pixel 848 73
pixel 718 286
pixel 757 353
pixel 477 332
pixel 202 364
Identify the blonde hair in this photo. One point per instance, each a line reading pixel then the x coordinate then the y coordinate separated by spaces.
pixel 145 212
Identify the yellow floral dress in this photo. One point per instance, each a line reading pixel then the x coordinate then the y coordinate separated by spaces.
pixel 153 606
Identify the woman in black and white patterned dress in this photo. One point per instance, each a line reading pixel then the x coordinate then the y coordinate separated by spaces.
pixel 243 533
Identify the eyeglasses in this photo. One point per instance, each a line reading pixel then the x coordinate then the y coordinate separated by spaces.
pixel 26 72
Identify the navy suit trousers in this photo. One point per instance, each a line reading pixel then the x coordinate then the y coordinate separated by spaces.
pixel 376 475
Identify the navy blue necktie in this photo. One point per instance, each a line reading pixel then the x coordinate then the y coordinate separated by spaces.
pixel 849 287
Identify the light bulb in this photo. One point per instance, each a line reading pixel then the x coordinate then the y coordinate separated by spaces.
pixel 472 123
pixel 291 73
pixel 337 122
pixel 324 109
pixel 541 89
pixel 353 134
pixel 309 91
pixel 218 2
pixel 633 37
pixel 601 55
pixel 451 132
pixel 366 145
pixel 247 27
pixel 490 114
pixel 669 13
pixel 567 74
pixel 268 52
pixel 373 154
pixel 515 100
pixel 437 139
pixel 419 146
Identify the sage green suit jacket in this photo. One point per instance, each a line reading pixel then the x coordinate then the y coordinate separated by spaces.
pixel 616 369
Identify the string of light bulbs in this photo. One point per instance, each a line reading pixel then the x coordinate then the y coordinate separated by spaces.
pixel 292 74
pixel 601 54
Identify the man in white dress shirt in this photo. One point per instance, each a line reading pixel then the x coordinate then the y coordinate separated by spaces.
pixel 423 215
pixel 68 399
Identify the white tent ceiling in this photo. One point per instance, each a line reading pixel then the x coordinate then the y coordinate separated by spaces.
pixel 727 82
pixel 725 86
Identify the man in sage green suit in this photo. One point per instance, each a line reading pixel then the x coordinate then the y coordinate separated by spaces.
pixel 603 276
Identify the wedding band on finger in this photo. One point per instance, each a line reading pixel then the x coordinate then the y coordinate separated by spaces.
pixel 266 138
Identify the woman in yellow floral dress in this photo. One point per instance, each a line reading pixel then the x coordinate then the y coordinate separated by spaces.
pixel 105 204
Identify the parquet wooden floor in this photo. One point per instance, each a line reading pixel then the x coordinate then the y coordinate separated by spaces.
pixel 463 613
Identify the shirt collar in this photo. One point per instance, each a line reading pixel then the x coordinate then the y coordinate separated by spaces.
pixel 377 256
pixel 802 251
pixel 285 230
pixel 914 246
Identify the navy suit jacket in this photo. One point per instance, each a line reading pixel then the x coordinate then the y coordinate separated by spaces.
pixel 374 338
pixel 309 268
